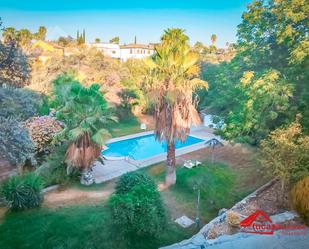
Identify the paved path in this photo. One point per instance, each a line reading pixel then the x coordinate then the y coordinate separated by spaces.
pixel 117 167
pixel 111 170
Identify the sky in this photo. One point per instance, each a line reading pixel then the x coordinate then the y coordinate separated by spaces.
pixel 141 18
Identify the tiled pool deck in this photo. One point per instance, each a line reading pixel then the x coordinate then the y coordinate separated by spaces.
pixel 115 167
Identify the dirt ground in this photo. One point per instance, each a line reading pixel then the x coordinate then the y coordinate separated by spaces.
pixel 78 195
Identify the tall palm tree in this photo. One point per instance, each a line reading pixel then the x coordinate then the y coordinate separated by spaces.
pixel 86 115
pixel 172 77
pixel 213 39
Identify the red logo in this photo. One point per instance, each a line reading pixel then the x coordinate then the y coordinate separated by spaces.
pixel 260 223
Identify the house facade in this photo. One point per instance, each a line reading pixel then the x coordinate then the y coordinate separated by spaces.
pixel 124 52
pixel 108 49
pixel 135 51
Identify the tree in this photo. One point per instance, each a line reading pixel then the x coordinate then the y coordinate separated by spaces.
pixel 262 103
pixel 213 39
pixel 284 154
pixel 199 47
pixel 86 115
pixel 14 65
pixel 80 39
pixel 19 103
pixel 136 207
pixel 15 143
pixel 41 34
pixel 9 34
pixel 24 38
pixel 97 40
pixel 115 40
pixel 84 36
pixel 173 76
pixel 63 41
pixel 271 45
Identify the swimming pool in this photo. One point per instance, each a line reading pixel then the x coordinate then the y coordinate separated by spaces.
pixel 142 147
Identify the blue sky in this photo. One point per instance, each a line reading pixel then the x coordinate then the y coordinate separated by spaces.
pixel 144 19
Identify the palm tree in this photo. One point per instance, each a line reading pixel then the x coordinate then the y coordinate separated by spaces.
pixel 86 116
pixel 172 77
pixel 213 39
pixel 41 34
pixel 9 34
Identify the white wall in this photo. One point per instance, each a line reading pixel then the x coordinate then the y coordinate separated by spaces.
pixel 122 53
pixel 134 53
pixel 108 49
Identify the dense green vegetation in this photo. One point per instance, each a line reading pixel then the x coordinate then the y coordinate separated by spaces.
pixel 258 92
pixel 22 192
pixel 137 211
pixel 265 84
pixel 86 116
pixel 73 227
pixel 15 143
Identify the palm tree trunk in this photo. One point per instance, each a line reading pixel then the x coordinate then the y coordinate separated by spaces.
pixel 170 177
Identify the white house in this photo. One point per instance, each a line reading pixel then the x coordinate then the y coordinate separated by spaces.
pixel 124 52
pixel 108 49
pixel 135 51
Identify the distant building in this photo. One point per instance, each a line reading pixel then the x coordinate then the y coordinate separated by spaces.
pixel 43 51
pixel 108 49
pixel 135 51
pixel 124 52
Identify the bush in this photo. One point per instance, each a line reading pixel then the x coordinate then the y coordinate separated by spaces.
pixel 15 143
pixel 137 210
pixel 42 131
pixel 23 192
pixel 54 169
pixel 128 181
pixel 19 103
pixel 284 154
pixel 300 198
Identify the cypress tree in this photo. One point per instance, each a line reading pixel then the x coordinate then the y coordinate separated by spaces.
pixel 84 36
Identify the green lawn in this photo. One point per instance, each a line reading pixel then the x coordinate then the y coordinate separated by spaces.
pixel 74 227
pixel 217 183
pixel 125 127
pixel 88 226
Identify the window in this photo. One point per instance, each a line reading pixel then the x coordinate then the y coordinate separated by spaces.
pixel 131 51
pixel 114 52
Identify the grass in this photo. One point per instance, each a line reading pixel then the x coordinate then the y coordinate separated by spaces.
pixel 124 127
pixel 74 227
pixel 88 225
pixel 218 183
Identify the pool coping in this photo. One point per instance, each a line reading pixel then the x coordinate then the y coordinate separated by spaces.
pixel 160 157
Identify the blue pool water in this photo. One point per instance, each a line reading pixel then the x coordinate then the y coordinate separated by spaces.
pixel 143 147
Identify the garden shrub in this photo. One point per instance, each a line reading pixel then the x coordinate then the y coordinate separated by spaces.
pixel 15 143
pixel 23 191
pixel 129 180
pixel 300 198
pixel 137 210
pixel 19 103
pixel 54 169
pixel 42 131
